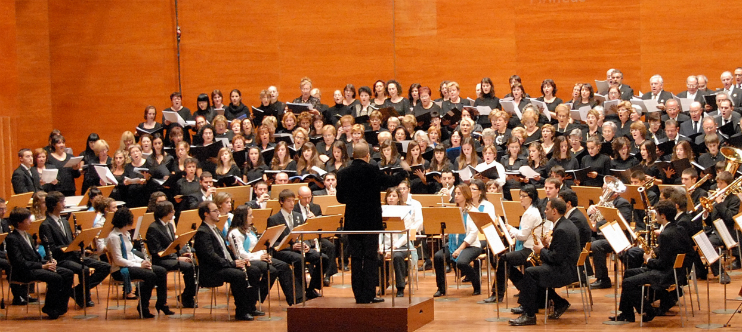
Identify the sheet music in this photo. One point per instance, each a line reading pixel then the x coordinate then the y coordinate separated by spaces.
pixel 608 104
pixel 651 105
pixel 723 232
pixel 707 249
pixel 395 211
pixel 583 112
pixel 612 232
pixel 602 86
pixel 600 98
pixel 174 117
pixel 49 174
pixel 320 172
pixel 528 172
pixel 504 229
pixel 73 161
pixel 511 107
pixel 493 239
pixel 685 103
pixel 466 174
pixel 640 102
pixel 627 226
pixel 105 174
pixel 541 107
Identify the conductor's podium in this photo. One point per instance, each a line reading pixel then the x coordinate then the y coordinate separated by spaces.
pixel 343 314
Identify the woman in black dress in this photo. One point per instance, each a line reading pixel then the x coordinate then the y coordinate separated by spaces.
pixel 255 165
pixel 425 106
pixel 512 163
pixel 226 167
pixel 562 156
pixel 414 94
pixel 587 97
pixel 548 96
pixel 90 178
pixel 67 175
pixel 339 157
pixel 136 180
pixel 396 101
pixel 236 108
pixel 622 158
pixel 489 99
pixel 380 96
pixel 149 126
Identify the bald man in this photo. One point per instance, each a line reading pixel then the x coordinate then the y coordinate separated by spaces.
pixel 282 178
pixel 358 188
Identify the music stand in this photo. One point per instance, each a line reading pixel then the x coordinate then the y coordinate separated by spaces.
pixel 487 226
pixel 395 223
pixel 143 226
pixel 294 187
pixel 320 223
pixel 20 200
pixel 439 220
pixel 106 190
pixel 174 248
pixel 335 210
pixel 266 240
pixel 85 238
pixel 430 200
pixel 240 194
pixel 273 204
pixel 632 195
pixel 325 201
pixel 189 220
pixel 587 194
pixel 85 219
pixel 613 232
pixel 35 225
pixel 260 218
pixel 708 256
pixel 512 212
pixel 729 243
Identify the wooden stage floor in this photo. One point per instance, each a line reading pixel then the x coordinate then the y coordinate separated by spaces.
pixel 464 313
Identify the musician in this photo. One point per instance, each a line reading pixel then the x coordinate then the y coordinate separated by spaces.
pixel 206 192
pixel 638 178
pixel 160 235
pixel 658 271
pixel 575 215
pixel 689 177
pixel 552 187
pixel 725 207
pixel 20 293
pixel 559 254
pixel 260 197
pixel 600 246
pixel 293 254
pixel 394 246
pixel 523 236
pixel 128 266
pixel 684 219
pixel 216 264
pixel 307 210
pixel 28 266
pixel 22 179
pixel 462 248
pixel 331 182
pixel 59 234
pixel 710 158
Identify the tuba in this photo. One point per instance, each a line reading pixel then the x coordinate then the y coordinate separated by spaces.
pixel 612 186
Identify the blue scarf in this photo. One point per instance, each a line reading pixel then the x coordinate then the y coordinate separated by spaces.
pixel 246 243
pixel 455 240
pixel 125 270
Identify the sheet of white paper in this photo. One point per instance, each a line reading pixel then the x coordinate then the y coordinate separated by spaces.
pixel 105 174
pixel 611 106
pixel 139 225
pixel 49 174
pixel 511 107
pixel 541 107
pixel 707 249
pixel 685 103
pixel 73 161
pixel 174 117
pixel 599 98
pixel 439 103
pixel 602 87
pixel 68 151
pixel 723 232
pixel 651 105
pixel 528 172
pixel 493 239
pixel 481 168
pixel 320 172
pixel 615 237
pixel 641 104
pixel 575 114
pixel 504 230
pixel 583 113
pixel 465 174
pixel 395 211
pixel 223 140
pixel 404 145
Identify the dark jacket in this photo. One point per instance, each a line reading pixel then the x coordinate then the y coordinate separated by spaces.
pixel 562 255
pixel 358 188
pixel 23 181
pixel 210 256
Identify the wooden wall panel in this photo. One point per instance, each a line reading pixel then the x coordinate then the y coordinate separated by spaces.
pixel 34 68
pixel 109 62
pixel 8 57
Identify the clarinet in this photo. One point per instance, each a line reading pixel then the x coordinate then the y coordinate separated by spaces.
pixel 78 228
pixel 45 243
pixel 237 254
pixel 144 248
pixel 190 254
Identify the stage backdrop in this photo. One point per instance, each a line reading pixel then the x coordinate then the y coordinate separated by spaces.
pixel 86 66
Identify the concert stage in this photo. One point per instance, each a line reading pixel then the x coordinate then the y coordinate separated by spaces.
pixel 343 314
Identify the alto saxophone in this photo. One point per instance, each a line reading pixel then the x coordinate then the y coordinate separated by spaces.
pixel 533 258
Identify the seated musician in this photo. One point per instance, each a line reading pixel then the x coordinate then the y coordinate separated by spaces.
pixel 689 178
pixel 330 181
pixel 600 246
pixel 394 246
pixel 575 216
pixel 160 235
pixel 260 195
pixel 559 254
pixel 27 265
pixel 725 207
pixel 59 234
pixel 307 209
pixel 658 271
pixel 684 219
pixel 293 254
pixel 216 264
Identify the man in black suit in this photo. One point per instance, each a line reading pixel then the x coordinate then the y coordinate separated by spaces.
pixel 689 177
pixel 260 195
pixel 617 80
pixel 20 294
pixel 331 184
pixel 28 266
pixel 205 193
pixel 658 271
pixel 727 114
pixel 672 109
pixel 22 179
pixel 160 234
pixel 307 210
pixel 734 94
pixel 575 216
pixel 293 254
pixel 59 234
pixel 657 93
pixel 724 208
pixel 559 254
pixel 693 93
pixel 217 264
pixel 600 246
pixel 694 125
pixel 552 187
pixel 671 132
pixel 358 188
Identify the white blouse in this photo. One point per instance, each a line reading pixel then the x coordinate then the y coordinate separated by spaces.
pixel 113 244
pixel 531 218
pixel 239 241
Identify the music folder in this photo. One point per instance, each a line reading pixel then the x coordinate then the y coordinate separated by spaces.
pixel 487 227
pixel 615 237
pixel 435 218
pixel 180 242
pixel 705 247
pixel 268 238
pixel 85 237
pixel 289 238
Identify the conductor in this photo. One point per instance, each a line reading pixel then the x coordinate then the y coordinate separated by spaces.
pixel 359 187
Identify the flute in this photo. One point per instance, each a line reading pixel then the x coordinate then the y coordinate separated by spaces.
pixel 237 255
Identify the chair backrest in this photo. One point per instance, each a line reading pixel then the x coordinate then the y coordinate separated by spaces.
pixel 679 259
pixel 583 256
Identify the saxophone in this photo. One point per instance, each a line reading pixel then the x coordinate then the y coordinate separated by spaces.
pixel 612 185
pixel 533 258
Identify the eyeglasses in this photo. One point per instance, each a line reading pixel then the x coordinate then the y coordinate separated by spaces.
pixel 214 211
pixel 523 195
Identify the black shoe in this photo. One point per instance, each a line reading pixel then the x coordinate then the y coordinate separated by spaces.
pixel 32 300
pixel 312 294
pixel 145 312
pixel 523 320
pixel 131 296
pixel 736 265
pixel 648 314
pixel 448 269
pixel 427 266
pixel 257 313
pixel 559 311
pixel 53 314
pixel 518 310
pixel 246 317
pixel 187 303
pixel 494 298
pixel 601 284
pixel 622 318
pixel 377 300
pixel 326 282
pixel 476 292
pixel 724 279
pixel 466 279
pixel 19 301
pixel 400 292
pixel 165 310
pixel 439 293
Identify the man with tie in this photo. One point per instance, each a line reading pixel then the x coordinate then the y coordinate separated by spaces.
pixel 658 93
pixel 694 125
pixel 734 94
pixel 160 235
pixel 22 180
pixel 293 253
pixel 27 265
pixel 59 235
pixel 672 108
pixel 727 115
pixel 738 78
pixel 692 93
pixel 261 196
pixel 20 293
pixel 307 209
pixel 216 264
pixel 617 80
pixel 671 131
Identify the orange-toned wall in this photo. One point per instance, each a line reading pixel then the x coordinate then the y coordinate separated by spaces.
pixel 88 66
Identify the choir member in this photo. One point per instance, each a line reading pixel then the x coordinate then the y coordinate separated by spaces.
pixel 67 175
pixel 236 108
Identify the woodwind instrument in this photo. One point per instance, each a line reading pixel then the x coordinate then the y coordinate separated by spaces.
pixel 190 254
pixel 236 252
pixel 78 228
pixel 144 249
pixel 533 258
pixel 47 247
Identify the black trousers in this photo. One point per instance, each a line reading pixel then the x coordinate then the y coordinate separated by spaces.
pixel 313 259
pixel 157 276
pixel 189 281
pixel 364 266
pixel 462 264
pixel 17 290
pixel 244 297
pixel 102 270
pixel 600 248
pixel 329 250
pixel 278 270
pixel 631 289
pixel 514 259
pixel 532 292
pixel 400 268
pixel 58 288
